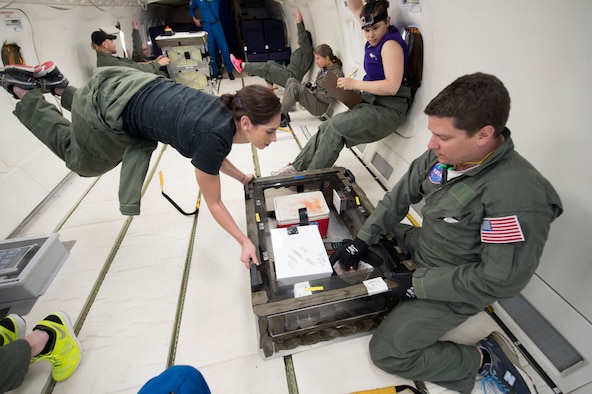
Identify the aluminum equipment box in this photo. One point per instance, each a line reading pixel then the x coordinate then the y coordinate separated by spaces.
pixel 27 267
pixel 190 60
pixel 292 316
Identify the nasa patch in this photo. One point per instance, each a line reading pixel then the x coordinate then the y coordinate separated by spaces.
pixel 435 175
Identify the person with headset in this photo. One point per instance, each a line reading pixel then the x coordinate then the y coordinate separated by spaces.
pixel 385 97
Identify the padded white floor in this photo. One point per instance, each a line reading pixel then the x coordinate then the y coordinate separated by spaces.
pixel 129 272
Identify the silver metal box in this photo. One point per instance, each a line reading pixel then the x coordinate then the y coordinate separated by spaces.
pixel 27 267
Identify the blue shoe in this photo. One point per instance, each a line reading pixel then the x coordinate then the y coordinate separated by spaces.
pixel 12 327
pixel 502 374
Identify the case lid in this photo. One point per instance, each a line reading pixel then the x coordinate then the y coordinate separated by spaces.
pixel 286 207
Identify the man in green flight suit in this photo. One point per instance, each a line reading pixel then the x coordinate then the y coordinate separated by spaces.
pixel 485 222
pixel 103 43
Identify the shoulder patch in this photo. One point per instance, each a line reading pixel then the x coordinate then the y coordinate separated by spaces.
pixel 501 230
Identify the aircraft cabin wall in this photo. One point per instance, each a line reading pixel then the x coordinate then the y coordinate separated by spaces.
pixel 538 48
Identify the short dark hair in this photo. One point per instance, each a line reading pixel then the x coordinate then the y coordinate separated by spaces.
pixel 259 103
pixel 474 101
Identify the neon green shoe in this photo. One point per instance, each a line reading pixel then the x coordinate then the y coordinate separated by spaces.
pixel 63 350
pixel 12 327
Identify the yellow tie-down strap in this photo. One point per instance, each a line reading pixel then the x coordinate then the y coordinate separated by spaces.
pixel 390 390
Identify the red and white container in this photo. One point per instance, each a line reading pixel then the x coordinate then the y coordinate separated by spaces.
pixel 286 210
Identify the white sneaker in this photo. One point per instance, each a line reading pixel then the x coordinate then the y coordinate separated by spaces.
pixel 286 170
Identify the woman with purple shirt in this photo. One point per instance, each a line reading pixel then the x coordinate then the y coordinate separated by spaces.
pixel 385 98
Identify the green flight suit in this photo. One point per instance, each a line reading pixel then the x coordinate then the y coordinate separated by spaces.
pixel 15 358
pixel 315 102
pixel 459 274
pixel 108 60
pixel 94 142
pixel 373 119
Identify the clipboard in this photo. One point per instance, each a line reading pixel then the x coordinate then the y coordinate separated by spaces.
pixel 350 98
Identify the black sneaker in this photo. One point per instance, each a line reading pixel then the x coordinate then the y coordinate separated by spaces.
pixel 17 75
pixel 501 373
pixel 48 77
pixel 285 120
pixel 231 76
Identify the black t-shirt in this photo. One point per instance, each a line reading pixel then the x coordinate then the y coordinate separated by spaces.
pixel 193 122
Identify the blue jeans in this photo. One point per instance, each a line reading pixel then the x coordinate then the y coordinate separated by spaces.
pixel 217 41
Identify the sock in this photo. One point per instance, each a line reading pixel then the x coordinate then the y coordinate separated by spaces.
pixel 51 341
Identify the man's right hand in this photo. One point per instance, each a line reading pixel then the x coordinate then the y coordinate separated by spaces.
pixel 298 16
pixel 163 61
pixel 350 253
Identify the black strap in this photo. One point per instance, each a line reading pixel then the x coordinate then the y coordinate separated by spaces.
pixel 402 387
pixel 178 207
pixel 174 203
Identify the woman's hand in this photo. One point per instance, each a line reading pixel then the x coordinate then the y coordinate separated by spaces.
pixel 249 253
pixel 346 83
pixel 248 179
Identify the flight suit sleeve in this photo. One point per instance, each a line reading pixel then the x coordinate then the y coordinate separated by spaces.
pixel 303 39
pixel 152 67
pixel 394 206
pixel 137 53
pixel 192 8
pixel 134 167
pixel 107 61
pixel 504 269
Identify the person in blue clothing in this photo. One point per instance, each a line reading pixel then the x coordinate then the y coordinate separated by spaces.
pixel 209 20
pixel 178 379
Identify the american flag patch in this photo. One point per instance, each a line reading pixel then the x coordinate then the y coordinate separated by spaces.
pixel 501 230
